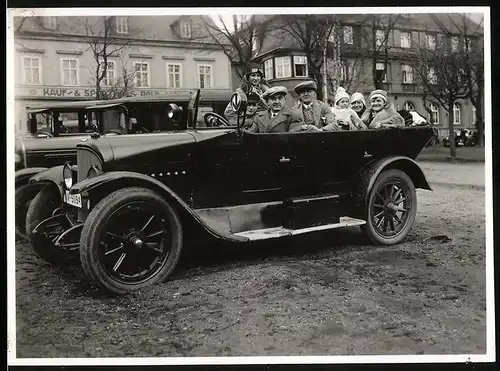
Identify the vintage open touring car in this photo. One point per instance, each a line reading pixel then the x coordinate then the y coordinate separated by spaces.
pixel 55 129
pixel 131 202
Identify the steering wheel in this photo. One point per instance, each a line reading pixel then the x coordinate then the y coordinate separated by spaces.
pixel 117 132
pixel 44 134
pixel 209 118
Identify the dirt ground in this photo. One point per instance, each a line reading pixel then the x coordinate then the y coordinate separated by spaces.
pixel 330 293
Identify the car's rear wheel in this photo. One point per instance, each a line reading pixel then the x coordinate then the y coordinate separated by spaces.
pixel 391 208
pixel 23 197
pixel 131 239
pixel 43 206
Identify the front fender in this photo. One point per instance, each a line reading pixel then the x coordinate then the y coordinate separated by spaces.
pixel 23 176
pixel 362 183
pixel 113 180
pixel 54 175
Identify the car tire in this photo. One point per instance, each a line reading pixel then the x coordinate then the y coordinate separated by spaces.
pixel 41 208
pixel 109 237
pixel 392 192
pixel 23 197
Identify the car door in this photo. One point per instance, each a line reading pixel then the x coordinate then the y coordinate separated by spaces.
pixel 264 163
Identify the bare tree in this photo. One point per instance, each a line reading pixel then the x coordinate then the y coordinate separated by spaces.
pixel 443 78
pixel 105 42
pixel 473 53
pixel 122 82
pixel 239 39
pixel 311 34
pixel 376 34
pixel 471 49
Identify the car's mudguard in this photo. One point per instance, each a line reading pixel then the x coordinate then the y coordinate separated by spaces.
pixel 23 176
pixel 54 175
pixel 364 180
pixel 131 179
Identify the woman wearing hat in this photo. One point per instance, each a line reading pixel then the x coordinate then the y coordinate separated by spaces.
pixel 381 113
pixel 254 82
pixel 358 103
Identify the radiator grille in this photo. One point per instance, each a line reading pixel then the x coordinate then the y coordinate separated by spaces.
pixel 85 160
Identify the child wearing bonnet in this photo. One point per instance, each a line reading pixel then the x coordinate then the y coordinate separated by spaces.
pixel 346 117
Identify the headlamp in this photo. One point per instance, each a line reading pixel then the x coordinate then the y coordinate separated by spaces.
pixel 67 176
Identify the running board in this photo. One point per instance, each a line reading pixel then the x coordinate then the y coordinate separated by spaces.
pixel 267 233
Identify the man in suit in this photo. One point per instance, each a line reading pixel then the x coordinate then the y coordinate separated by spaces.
pixel 277 119
pixel 316 115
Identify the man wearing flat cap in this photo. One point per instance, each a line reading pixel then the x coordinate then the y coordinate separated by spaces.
pixel 277 119
pixel 316 115
pixel 252 106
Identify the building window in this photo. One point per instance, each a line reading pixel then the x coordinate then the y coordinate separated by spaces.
pixel 109 78
pixel 474 117
pixel 434 116
pixel 283 68
pixel 454 43
pixel 456 114
pixel 186 29
pixel 381 67
pixel 407 74
pixel 121 25
pixel 69 67
pixel 300 65
pixel 204 76
pixel 268 69
pixel 430 41
pixel 141 74
pixel 31 71
pixel 405 39
pixel 174 76
pixel 379 37
pixel 348 35
pixel 409 106
pixel 431 76
pixel 49 22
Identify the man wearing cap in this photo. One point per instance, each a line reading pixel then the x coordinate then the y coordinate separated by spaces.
pixel 277 119
pixel 252 105
pixel 316 115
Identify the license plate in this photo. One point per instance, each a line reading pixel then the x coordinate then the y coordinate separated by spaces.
pixel 73 200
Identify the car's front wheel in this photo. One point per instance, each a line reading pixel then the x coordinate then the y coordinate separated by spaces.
pixel 23 197
pixel 391 208
pixel 131 239
pixel 43 206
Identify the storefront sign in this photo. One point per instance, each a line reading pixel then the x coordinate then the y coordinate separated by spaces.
pixel 88 93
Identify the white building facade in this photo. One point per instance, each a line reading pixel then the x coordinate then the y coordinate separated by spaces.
pixel 55 59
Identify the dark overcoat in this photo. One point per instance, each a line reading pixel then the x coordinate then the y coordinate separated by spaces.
pixel 285 121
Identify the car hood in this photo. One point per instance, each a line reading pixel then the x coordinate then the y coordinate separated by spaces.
pixel 47 144
pixel 115 151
